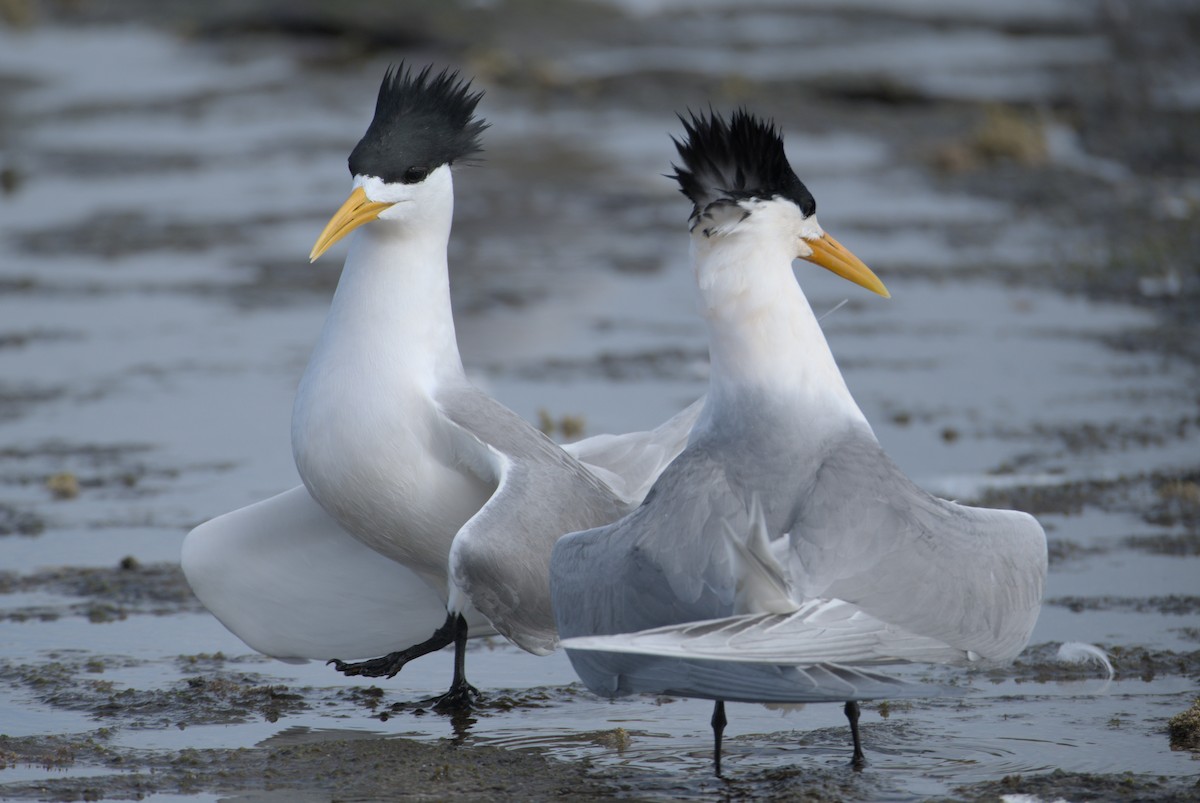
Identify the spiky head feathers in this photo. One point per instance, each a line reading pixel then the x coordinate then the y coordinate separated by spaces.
pixel 421 122
pixel 725 162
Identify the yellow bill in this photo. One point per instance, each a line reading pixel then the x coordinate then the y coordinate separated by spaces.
pixel 357 210
pixel 833 256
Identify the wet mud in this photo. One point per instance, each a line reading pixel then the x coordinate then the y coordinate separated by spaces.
pixel 1059 785
pixel 101 594
pixel 301 766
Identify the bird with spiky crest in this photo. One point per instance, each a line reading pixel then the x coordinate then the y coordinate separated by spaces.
pixel 782 554
pixel 725 162
pixel 423 124
pixel 421 121
pixel 428 510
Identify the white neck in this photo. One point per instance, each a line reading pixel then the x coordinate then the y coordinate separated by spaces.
pixel 764 340
pixel 391 313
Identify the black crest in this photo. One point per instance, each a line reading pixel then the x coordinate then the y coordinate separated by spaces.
pixel 421 122
pixel 727 162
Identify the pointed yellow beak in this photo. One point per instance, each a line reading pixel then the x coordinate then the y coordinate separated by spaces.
pixel 833 256
pixel 357 210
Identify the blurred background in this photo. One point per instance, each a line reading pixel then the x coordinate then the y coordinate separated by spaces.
pixel 1023 176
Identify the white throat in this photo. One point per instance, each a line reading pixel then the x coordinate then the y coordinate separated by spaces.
pixel 390 317
pixel 764 340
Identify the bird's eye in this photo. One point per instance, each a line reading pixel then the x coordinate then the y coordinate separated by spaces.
pixel 414 174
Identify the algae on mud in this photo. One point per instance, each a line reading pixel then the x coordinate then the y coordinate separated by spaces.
pixel 1184 728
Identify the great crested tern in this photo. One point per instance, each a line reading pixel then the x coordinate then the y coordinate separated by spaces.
pixel 427 506
pixel 783 550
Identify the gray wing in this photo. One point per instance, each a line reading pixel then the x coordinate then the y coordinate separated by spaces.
pixel 820 631
pixel 665 563
pixel 630 463
pixel 616 675
pixel 670 562
pixel 500 559
pixel 866 534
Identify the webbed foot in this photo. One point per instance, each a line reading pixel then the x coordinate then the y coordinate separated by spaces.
pixel 393 662
pixel 462 696
pixel 384 667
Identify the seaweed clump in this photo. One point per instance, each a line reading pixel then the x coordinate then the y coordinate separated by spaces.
pixel 1184 728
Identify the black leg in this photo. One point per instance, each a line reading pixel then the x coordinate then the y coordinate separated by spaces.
pixel 718 725
pixel 852 712
pixel 393 662
pixel 462 694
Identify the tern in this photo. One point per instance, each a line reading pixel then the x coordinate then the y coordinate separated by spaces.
pixel 782 553
pixel 428 510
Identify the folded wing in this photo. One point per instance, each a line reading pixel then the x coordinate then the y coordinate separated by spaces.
pixel 500 559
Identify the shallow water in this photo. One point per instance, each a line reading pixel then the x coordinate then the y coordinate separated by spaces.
pixel 157 310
